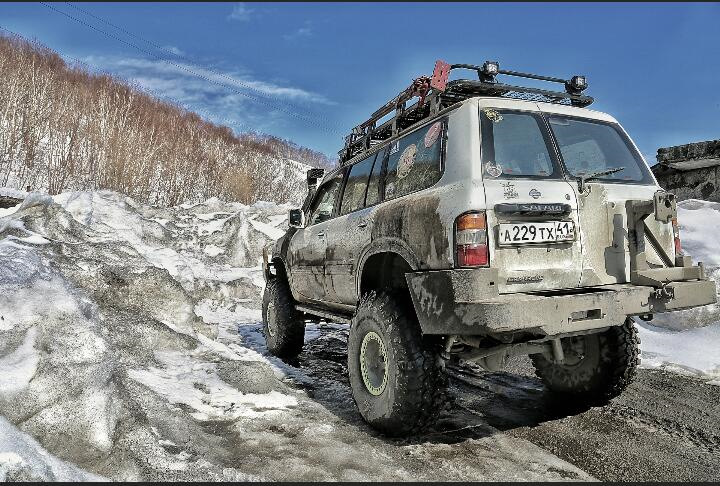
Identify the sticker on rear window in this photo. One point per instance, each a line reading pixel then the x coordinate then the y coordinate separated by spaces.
pixel 493 115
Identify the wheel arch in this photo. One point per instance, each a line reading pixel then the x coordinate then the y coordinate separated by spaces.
pixel 383 266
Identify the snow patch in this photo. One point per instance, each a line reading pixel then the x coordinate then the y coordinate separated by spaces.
pixel 22 458
pixel 19 367
pixel 695 351
pixel 187 379
pixel 269 230
pixel 213 251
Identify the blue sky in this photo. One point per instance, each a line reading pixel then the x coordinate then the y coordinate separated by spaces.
pixel 311 71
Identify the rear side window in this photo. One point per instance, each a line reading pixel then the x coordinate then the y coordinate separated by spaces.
pixel 357 183
pixel 515 145
pixel 324 203
pixel 415 161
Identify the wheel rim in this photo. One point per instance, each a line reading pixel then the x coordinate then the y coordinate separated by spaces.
pixel 575 350
pixel 373 363
pixel 271 325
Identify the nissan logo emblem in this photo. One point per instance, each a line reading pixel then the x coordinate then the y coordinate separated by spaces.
pixel 535 194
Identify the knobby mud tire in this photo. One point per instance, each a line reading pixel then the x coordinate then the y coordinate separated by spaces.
pixel 415 391
pixel 608 367
pixel 286 338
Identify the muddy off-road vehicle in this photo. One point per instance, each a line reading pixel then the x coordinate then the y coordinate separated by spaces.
pixel 480 222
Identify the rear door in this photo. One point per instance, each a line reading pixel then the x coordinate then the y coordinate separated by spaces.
pixel 532 211
pixel 589 146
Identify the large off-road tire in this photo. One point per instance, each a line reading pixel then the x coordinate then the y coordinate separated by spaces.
pixel 397 377
pixel 283 325
pixel 597 367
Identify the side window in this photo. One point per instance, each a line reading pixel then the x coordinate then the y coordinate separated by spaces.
pixel 324 203
pixel 415 161
pixel 373 192
pixel 354 194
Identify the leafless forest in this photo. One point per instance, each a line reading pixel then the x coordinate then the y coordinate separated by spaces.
pixel 63 128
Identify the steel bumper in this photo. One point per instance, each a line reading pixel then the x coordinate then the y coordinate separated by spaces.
pixel 466 302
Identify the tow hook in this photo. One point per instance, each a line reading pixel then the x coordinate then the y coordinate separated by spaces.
pixel 666 292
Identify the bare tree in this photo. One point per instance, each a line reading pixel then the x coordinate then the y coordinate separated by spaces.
pixel 63 128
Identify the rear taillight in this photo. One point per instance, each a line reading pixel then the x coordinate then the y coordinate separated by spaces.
pixel 471 240
pixel 676 234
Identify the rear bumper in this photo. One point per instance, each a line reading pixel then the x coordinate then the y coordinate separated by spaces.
pixel 466 302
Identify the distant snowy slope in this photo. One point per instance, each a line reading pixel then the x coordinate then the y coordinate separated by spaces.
pixel 690 340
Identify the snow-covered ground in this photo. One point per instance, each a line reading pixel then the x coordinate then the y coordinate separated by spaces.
pixel 103 355
pixel 131 348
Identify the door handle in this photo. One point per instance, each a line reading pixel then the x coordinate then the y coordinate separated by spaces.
pixel 321 234
pixel 362 224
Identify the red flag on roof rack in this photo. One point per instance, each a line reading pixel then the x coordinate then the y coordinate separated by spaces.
pixel 440 75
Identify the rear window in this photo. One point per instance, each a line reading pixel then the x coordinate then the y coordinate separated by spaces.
pixel 515 145
pixel 589 146
pixel 415 161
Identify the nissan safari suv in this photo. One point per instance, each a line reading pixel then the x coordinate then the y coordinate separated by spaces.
pixel 496 228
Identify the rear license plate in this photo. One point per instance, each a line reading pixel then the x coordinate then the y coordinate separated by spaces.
pixel 541 232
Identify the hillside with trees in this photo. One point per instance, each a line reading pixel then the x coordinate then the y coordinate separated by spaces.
pixel 63 128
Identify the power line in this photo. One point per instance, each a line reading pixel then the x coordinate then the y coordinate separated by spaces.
pixel 304 118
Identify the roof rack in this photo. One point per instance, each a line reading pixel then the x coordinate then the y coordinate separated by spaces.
pixel 437 93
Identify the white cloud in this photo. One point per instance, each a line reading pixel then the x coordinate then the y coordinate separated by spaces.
pixel 304 31
pixel 240 12
pixel 174 50
pixel 219 101
pixel 216 78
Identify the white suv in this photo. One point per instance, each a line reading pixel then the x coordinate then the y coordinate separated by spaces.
pixel 483 227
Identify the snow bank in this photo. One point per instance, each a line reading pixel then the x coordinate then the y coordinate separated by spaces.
pixel 695 351
pixel 689 341
pixel 104 360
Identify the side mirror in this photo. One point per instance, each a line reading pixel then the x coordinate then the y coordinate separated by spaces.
pixel 297 218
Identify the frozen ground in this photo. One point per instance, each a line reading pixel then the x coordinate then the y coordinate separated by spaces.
pixel 131 348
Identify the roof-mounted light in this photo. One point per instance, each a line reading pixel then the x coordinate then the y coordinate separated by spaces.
pixel 488 71
pixel 576 85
